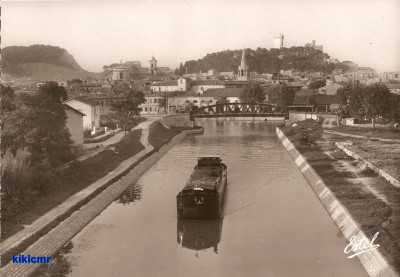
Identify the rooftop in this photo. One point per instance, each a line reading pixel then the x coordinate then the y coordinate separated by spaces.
pixel 166 83
pixel 206 82
pixel 320 99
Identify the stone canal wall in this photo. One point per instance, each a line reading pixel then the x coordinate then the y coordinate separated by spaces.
pixel 55 239
pixel 373 261
pixel 246 118
pixel 177 120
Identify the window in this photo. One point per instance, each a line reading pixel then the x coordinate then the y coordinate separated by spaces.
pixel 145 109
pixel 150 109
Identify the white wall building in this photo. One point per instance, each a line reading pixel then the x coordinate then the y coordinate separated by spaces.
pixel 182 84
pixel 90 108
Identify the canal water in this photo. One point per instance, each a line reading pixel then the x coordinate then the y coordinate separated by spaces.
pixel 273 223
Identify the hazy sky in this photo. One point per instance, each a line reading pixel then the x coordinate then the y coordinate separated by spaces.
pixel 97 33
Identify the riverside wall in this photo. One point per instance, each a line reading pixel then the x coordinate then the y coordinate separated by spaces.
pixel 177 120
pixel 373 261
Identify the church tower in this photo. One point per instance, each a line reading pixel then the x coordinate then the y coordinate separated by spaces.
pixel 153 66
pixel 243 68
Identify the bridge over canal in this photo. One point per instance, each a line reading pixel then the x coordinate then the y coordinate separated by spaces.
pixel 237 110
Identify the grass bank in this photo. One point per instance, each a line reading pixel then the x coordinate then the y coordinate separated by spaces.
pixel 377 132
pixel 65 182
pixel 371 200
pixel 159 135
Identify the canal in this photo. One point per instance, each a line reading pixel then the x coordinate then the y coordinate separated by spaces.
pixel 273 223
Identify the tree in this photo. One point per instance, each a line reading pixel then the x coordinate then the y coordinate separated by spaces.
pixel 128 109
pixel 350 99
pixel 38 124
pixel 317 84
pixel 282 96
pixel 7 100
pixel 252 93
pixel 120 87
pixel 376 101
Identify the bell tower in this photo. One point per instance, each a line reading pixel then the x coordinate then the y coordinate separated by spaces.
pixel 153 66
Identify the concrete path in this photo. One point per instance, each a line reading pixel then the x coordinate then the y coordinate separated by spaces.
pixel 120 135
pixel 51 216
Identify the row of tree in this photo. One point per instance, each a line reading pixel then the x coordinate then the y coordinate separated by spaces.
pixel 35 141
pixel 262 60
pixel 36 123
pixel 369 102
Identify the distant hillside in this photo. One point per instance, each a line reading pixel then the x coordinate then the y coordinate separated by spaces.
pixel 263 61
pixel 41 61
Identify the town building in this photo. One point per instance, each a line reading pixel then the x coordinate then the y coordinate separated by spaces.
pixel 74 124
pixel 154 102
pixel 88 107
pixel 153 66
pixel 182 84
pixel 199 87
pixel 316 47
pixel 330 89
pixel 314 103
pixel 227 75
pixel 121 73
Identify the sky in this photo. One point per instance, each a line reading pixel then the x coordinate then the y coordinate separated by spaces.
pixel 99 33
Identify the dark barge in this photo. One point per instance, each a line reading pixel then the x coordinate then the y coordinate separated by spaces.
pixel 203 194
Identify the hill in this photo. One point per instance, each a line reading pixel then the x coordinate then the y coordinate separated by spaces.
pixel 263 60
pixel 41 61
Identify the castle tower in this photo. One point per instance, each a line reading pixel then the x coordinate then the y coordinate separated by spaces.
pixel 243 68
pixel 153 65
pixel 278 41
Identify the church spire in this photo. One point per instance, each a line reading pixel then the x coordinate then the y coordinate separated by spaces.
pixel 243 68
pixel 243 63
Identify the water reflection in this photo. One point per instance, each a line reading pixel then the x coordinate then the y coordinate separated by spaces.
pixel 199 234
pixel 131 195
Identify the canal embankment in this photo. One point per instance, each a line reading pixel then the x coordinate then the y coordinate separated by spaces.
pixel 52 230
pixel 359 201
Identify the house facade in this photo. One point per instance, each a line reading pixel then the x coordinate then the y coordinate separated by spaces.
pixel 74 124
pixel 154 103
pixel 88 107
pixel 199 87
pixel 182 84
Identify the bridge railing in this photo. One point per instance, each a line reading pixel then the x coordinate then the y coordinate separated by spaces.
pixel 236 109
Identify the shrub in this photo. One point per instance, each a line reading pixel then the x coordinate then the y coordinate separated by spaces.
pixel 16 175
pixel 110 125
